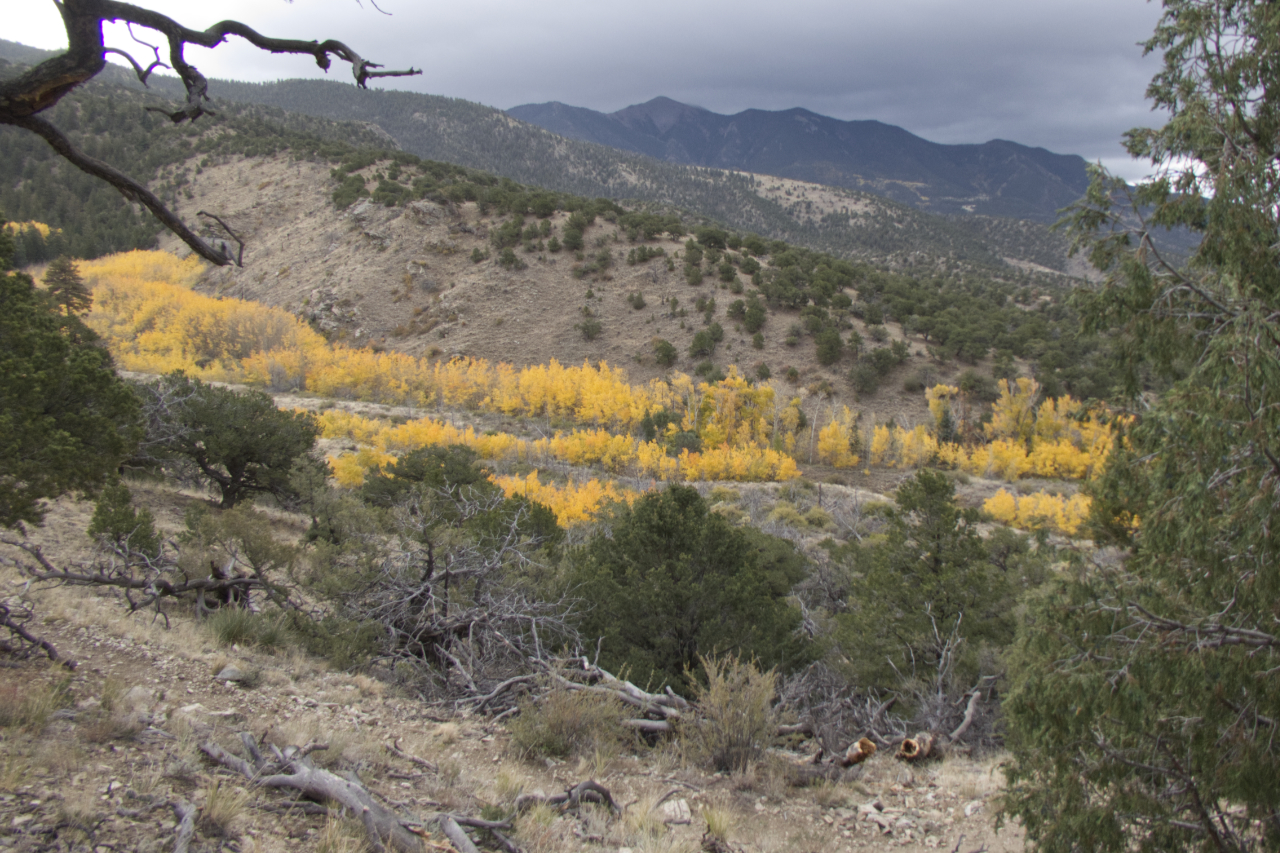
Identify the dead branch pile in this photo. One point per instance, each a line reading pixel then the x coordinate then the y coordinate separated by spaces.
pixel 455 608
pixel 292 769
pixel 144 580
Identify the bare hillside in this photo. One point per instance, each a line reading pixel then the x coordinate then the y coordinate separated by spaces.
pixel 404 278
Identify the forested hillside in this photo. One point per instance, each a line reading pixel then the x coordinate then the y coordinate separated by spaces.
pixel 832 219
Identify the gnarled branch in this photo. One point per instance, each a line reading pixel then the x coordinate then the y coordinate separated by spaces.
pixel 24 97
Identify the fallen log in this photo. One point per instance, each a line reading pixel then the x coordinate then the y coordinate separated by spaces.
pixel 858 752
pixel 917 748
pixel 290 768
pixel 456 836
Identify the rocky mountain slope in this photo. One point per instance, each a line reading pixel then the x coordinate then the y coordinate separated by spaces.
pixel 97 757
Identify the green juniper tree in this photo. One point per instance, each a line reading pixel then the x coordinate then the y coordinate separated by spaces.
pixel 239 441
pixel 925 602
pixel 66 419
pixel 1146 693
pixel 673 581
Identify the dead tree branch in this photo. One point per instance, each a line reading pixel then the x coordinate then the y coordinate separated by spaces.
pixel 290 768
pixel 22 98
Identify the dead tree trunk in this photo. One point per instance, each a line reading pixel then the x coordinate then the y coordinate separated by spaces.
pixel 290 768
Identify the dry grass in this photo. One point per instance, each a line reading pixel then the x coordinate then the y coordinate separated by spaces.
pixel 737 719
pixel 570 723
pixel 60 756
pixel 80 812
pixel 508 784
pixel 342 836
pixel 719 821
pixel 13 771
pixel 224 806
pixel 642 821
pixel 121 725
pixel 28 706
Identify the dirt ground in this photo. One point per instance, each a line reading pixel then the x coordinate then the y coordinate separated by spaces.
pixel 98 766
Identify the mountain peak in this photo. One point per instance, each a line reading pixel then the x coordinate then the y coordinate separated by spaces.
pixel 996 178
pixel 662 113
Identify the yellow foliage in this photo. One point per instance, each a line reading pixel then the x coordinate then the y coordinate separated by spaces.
pixel 884 449
pixel 350 469
pixel 1064 514
pixel 1013 415
pixel 153 321
pixel 16 228
pixel 940 397
pixel 916 447
pixel 572 503
pixel 834 439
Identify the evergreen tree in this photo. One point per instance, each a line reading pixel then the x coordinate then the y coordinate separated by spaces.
pixel 673 580
pixel 1146 698
pixel 66 419
pixel 240 442
pixel 926 601
pixel 62 280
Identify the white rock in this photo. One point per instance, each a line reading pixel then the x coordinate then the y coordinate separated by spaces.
pixel 230 673
pixel 677 812
pixel 972 808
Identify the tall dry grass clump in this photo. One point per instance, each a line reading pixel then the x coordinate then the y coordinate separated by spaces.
pixel 564 723
pixel 736 719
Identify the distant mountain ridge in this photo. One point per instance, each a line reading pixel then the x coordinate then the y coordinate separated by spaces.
pixel 847 222
pixel 996 178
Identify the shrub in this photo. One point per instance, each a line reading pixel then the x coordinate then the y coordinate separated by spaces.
pixel 664 352
pixel 736 719
pixel 702 345
pixel 590 329
pixel 116 520
pixel 566 723
pixel 636 300
pixel 674 580
pixel 864 379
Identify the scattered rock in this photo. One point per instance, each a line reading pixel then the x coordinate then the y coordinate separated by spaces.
pixel 230 673
pixel 677 812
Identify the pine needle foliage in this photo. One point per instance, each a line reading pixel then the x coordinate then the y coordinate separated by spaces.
pixel 1145 698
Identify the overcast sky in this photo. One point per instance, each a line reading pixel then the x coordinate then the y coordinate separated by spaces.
pixel 1067 75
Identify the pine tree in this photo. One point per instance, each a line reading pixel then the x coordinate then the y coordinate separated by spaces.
pixel 63 281
pixel 66 419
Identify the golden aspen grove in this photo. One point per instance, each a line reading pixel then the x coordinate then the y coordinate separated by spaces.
pixel 154 322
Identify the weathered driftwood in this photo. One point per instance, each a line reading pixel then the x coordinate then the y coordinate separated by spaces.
pixel 186 815
pixel 589 791
pixel 456 836
pixel 290 768
pixel 663 706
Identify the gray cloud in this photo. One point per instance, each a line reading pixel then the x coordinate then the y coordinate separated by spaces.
pixel 1066 75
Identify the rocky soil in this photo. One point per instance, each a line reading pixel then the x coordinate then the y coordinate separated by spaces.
pixel 95 759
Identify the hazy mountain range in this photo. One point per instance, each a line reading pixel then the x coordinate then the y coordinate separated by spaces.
pixel 892 216
pixel 996 178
